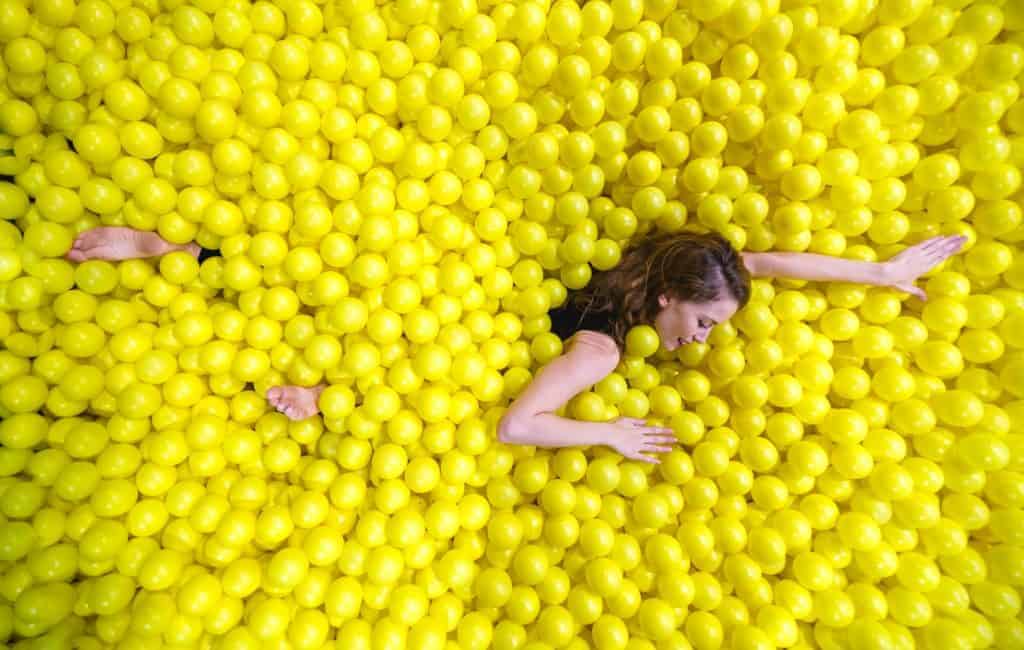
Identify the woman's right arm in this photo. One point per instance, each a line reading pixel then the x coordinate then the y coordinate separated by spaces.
pixel 530 420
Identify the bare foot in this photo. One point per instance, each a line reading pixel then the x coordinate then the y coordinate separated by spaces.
pixel 297 402
pixel 114 243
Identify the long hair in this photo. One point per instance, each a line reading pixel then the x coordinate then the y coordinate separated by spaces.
pixel 684 265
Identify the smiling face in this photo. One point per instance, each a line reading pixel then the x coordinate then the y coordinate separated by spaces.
pixel 680 322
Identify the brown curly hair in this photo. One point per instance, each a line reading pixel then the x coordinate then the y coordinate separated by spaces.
pixel 685 265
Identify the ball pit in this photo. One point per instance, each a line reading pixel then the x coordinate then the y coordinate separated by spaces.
pixel 401 190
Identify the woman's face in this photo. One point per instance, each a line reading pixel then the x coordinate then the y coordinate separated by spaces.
pixel 680 322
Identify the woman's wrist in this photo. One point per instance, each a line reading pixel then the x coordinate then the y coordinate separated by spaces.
pixel 554 431
pixel 604 434
pixel 881 274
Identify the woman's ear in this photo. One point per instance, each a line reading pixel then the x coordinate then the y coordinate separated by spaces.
pixel 663 301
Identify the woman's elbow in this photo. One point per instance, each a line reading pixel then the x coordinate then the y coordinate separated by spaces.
pixel 512 429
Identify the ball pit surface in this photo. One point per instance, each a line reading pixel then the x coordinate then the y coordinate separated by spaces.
pixel 401 191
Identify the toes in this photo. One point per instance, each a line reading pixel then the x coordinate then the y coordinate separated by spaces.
pixel 89 238
pixel 77 252
pixel 87 246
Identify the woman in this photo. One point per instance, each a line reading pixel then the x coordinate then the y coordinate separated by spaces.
pixel 681 283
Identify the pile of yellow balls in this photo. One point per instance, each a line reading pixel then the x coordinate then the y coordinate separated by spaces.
pixel 401 191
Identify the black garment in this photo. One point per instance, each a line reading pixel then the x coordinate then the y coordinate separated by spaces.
pixel 571 318
pixel 206 253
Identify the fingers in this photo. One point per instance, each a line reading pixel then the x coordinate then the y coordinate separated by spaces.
pixel 935 245
pixel 662 442
pixel 922 258
pixel 952 245
pixel 660 433
pixel 920 249
pixel 640 422
pixel 913 290
pixel 943 251
pixel 948 240
pixel 657 449
pixel 654 440
pixel 659 430
pixel 943 246
pixel 660 438
pixel 644 459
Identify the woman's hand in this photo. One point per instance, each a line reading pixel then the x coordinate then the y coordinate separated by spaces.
pixel 634 438
pixel 902 270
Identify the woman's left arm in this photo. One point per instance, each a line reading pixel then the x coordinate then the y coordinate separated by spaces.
pixel 899 272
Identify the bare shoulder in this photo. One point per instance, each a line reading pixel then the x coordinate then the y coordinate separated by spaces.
pixel 594 347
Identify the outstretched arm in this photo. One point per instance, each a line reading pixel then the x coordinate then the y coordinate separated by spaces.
pixel 899 272
pixel 531 420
